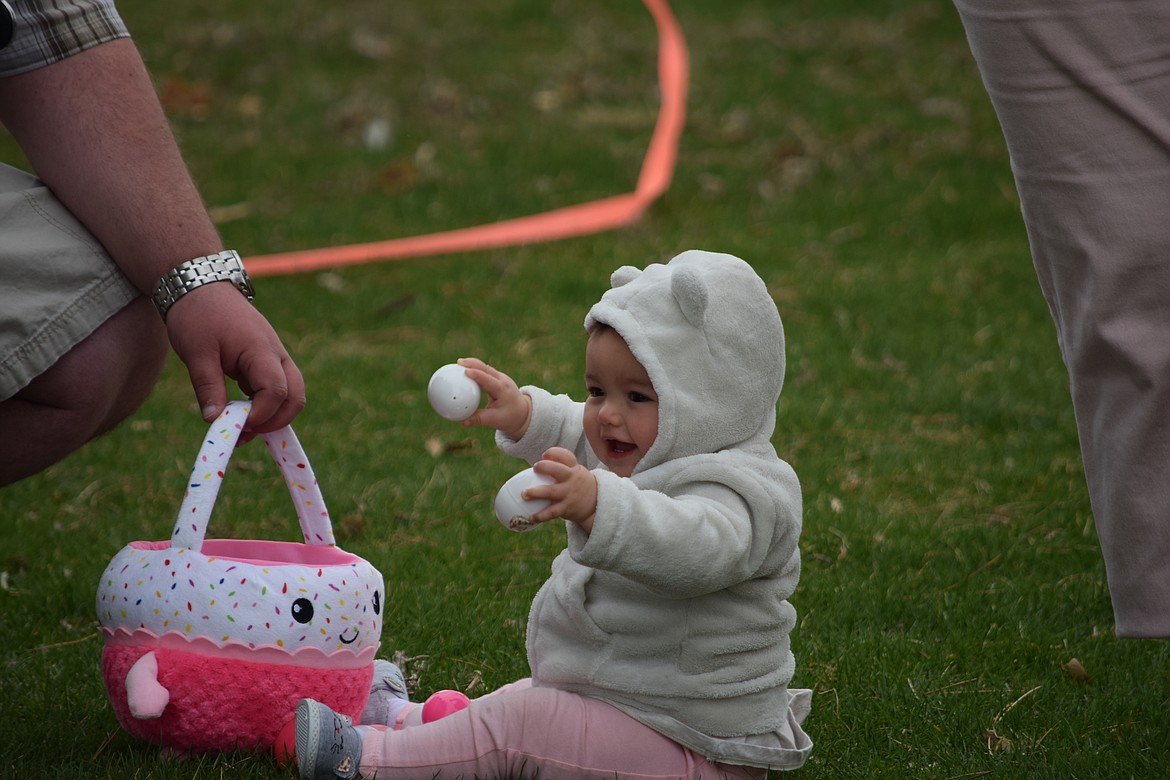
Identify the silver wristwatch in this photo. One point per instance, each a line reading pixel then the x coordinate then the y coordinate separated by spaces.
pixel 221 267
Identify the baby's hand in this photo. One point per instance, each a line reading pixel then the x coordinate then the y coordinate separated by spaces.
pixel 508 410
pixel 573 493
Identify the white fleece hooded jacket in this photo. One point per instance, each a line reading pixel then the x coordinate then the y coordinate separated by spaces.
pixel 674 608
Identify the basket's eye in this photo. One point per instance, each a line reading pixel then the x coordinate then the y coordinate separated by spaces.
pixel 377 603
pixel 302 610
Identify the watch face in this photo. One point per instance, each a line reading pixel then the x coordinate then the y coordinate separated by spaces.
pixel 7 24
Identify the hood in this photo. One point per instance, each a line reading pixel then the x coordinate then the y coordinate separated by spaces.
pixel 709 336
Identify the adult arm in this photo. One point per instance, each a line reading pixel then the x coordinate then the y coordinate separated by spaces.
pixel 94 131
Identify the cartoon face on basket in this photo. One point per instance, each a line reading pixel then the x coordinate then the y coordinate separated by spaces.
pixel 335 607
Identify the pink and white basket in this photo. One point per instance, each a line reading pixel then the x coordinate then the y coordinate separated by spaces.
pixel 210 643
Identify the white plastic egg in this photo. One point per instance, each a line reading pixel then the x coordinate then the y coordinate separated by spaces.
pixel 515 513
pixel 453 394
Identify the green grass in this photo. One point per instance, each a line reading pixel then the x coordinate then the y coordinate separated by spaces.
pixel 951 570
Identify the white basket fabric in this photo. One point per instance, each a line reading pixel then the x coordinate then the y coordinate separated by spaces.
pixel 311 600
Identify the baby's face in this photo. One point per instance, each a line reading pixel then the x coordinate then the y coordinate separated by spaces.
pixel 621 413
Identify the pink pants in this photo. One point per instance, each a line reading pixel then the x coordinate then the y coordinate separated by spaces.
pixel 524 732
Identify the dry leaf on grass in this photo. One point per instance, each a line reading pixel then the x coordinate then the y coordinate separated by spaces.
pixel 436 446
pixel 1075 670
pixel 185 98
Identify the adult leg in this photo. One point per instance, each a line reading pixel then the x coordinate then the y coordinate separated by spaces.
pixel 535 732
pixel 1082 91
pixel 88 391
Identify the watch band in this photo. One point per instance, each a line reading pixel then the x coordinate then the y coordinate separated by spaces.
pixel 220 267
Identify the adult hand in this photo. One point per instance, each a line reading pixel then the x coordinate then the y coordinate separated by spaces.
pixel 215 331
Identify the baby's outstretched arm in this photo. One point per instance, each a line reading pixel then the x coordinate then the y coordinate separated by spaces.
pixel 508 410
pixel 573 494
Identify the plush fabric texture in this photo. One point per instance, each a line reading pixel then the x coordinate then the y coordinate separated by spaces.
pixel 674 608
pixel 223 704
pixel 301 597
pixel 209 643
pixel 146 696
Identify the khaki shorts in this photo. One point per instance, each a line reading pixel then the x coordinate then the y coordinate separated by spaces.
pixel 57 284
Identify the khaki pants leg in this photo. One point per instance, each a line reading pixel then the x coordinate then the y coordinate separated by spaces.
pixel 1082 91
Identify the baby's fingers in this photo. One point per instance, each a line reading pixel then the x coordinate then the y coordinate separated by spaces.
pixel 556 461
pixel 473 362
pixel 490 381
pixel 485 416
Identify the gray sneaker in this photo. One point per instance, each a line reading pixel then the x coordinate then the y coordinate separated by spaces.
pixel 387 692
pixel 328 746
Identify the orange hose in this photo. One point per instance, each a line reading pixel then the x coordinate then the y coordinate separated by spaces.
pixel 582 219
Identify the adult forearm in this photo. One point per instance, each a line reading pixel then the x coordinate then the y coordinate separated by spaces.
pixel 94 131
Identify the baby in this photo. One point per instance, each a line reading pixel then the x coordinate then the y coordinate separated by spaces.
pixel 659 645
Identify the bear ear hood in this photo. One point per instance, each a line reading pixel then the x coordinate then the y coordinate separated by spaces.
pixel 686 285
pixel 710 338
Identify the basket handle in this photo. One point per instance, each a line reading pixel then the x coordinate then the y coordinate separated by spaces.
pixel 211 465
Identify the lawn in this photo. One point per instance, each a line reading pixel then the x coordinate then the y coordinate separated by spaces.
pixel 954 620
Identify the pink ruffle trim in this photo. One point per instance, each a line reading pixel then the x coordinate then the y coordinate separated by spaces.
pixel 309 657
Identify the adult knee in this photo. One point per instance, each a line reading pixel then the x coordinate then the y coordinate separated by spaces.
pixel 131 355
pixel 88 391
pixel 106 377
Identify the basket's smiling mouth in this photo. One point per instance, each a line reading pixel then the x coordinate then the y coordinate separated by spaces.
pixel 345 641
